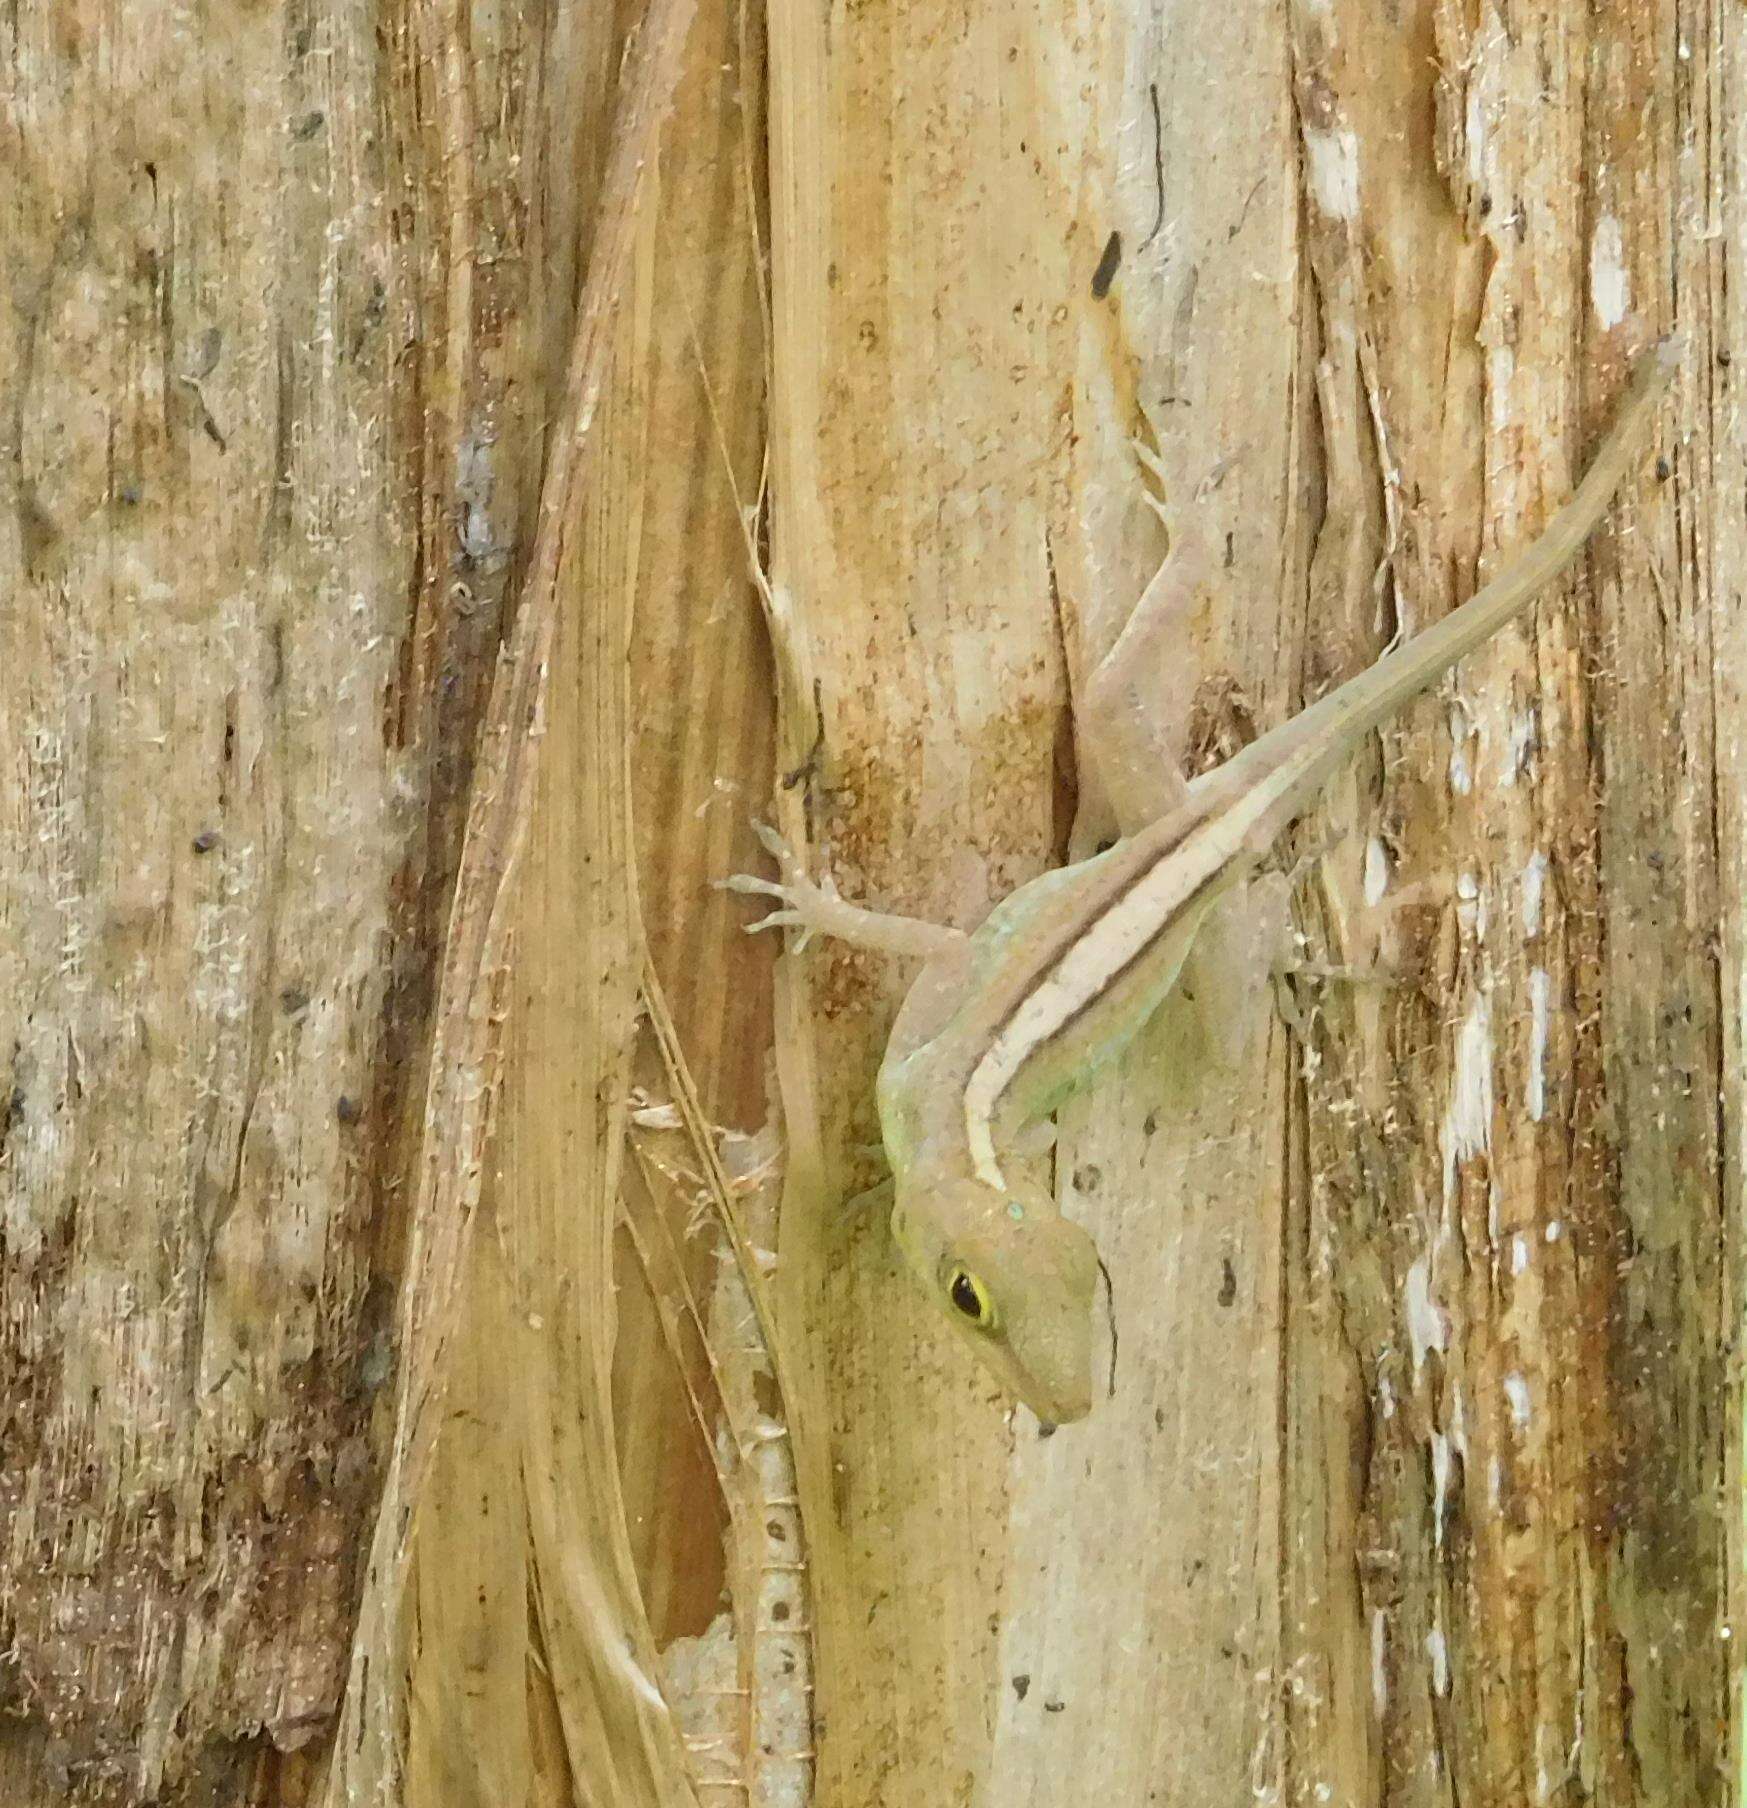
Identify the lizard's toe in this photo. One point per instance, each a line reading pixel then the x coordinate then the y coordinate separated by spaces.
pixel 774 845
pixel 752 884
pixel 778 919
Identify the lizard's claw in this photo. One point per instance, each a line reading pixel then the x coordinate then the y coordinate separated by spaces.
pixel 794 891
pixel 1148 460
pixel 1152 493
pixel 789 863
pixel 772 842
pixel 785 919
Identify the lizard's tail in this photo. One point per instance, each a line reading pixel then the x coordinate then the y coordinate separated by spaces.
pixel 1283 769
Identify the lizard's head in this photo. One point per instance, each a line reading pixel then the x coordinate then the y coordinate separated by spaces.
pixel 1016 1280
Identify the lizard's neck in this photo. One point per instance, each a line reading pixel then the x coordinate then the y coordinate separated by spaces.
pixel 929 1134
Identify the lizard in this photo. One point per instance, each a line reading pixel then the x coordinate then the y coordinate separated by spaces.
pixel 1003 1022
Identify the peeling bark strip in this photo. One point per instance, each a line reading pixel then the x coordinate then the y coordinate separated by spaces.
pixel 466 1045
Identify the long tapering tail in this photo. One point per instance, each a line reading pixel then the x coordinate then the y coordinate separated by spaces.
pixel 1278 775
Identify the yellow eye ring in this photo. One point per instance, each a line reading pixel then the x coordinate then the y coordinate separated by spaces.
pixel 969 1297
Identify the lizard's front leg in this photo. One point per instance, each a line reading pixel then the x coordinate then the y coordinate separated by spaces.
pixel 819 909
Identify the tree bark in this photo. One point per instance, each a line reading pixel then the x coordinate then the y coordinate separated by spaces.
pixel 1420 1478
pixel 224 841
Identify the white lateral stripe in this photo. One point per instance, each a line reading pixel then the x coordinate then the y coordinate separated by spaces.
pixel 982 1142
pixel 1103 949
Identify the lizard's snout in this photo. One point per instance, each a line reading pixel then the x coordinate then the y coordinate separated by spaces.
pixel 1040 1274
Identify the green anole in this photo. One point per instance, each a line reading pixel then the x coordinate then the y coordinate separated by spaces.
pixel 1004 1022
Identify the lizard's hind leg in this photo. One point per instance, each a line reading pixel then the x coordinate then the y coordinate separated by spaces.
pixel 1133 711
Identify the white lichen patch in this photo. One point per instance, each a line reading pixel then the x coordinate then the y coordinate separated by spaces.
pixel 1520 1400
pixel 1534 885
pixel 1540 1028
pixel 1467 1130
pixel 1334 171
pixel 1426 1329
pixel 1461 773
pixel 1471 907
pixel 1610 289
pixel 1376 872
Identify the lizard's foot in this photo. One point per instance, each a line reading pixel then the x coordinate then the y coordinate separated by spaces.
pixel 802 904
pixel 819 908
pixel 1319 850
pixel 1290 971
pixel 1152 492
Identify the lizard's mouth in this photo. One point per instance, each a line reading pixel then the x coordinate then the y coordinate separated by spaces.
pixel 1057 1407
pixel 1055 1383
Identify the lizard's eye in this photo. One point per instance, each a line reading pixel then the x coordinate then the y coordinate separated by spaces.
pixel 970 1298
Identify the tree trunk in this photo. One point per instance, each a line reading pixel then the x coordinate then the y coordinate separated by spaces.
pixel 1418 1481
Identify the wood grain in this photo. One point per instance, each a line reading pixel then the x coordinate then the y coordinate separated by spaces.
pixel 342 346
